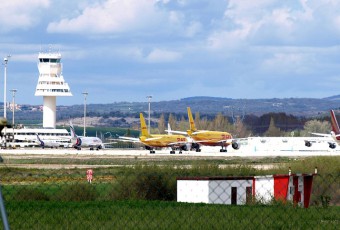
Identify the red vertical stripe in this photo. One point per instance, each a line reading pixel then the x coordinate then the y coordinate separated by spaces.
pixel 307 189
pixel 281 187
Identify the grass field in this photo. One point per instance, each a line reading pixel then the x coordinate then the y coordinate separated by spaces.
pixel 141 194
pixel 165 215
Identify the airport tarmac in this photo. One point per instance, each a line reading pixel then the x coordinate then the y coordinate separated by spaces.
pixel 206 152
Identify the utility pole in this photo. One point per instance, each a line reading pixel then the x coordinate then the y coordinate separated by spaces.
pixel 85 96
pixel 149 100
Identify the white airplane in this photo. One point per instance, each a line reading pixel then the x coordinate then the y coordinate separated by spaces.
pixel 90 142
pixel 333 137
pixel 49 143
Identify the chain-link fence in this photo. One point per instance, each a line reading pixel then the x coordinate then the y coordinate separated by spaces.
pixel 168 196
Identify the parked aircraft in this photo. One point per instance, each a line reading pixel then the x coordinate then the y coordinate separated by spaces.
pixel 334 136
pixel 49 143
pixel 152 141
pixel 207 137
pixel 90 142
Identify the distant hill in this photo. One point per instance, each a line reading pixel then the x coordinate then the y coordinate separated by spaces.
pixel 304 107
pixel 211 105
pixel 333 98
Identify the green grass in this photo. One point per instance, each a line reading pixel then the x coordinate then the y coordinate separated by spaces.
pixel 103 204
pixel 165 215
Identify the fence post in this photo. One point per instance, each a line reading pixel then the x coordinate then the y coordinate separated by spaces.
pixel 3 212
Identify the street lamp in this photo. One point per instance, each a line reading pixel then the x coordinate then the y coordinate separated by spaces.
pixel 85 96
pixel 13 104
pixel 5 82
pixel 149 99
pixel 5 89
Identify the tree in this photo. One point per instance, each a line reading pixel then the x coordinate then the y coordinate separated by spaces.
pixel 161 124
pixel 240 130
pixel 183 124
pixel 172 121
pixel 315 126
pixel 272 131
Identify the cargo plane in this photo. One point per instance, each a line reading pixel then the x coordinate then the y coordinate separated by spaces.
pixel 207 137
pixel 152 141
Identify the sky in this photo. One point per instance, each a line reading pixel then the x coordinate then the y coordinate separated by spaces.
pixel 125 50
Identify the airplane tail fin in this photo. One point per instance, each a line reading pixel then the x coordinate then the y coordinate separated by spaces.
pixel 169 129
pixel 334 122
pixel 73 133
pixel 143 127
pixel 191 120
pixel 41 142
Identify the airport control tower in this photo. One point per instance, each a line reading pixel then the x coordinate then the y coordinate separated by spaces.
pixel 50 85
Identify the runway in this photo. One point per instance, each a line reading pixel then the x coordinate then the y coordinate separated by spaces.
pixel 206 152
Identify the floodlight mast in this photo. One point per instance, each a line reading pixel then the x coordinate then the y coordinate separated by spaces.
pixel 85 96
pixel 5 84
pixel 149 100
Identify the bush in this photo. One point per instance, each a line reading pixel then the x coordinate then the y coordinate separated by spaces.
pixel 77 192
pixel 146 183
pixel 30 194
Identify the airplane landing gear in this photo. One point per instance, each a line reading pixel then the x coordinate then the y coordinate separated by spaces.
pixel 152 151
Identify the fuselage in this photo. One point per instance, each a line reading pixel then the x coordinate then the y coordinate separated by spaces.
pixel 87 141
pixel 159 140
pixel 210 138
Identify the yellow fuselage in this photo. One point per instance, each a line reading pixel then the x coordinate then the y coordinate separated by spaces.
pixel 159 140
pixel 210 138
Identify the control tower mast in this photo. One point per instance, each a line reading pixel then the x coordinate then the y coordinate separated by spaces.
pixel 50 85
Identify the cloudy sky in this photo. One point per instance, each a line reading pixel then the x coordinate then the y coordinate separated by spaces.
pixel 124 50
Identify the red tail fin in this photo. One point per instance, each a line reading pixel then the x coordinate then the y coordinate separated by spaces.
pixel 334 122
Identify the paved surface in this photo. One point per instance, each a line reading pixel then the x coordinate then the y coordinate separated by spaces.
pixel 207 151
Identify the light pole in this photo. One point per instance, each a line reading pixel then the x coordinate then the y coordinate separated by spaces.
pixel 5 89
pixel 5 83
pixel 85 96
pixel 13 104
pixel 149 100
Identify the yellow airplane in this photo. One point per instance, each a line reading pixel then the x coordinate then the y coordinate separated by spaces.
pixel 152 141
pixel 209 138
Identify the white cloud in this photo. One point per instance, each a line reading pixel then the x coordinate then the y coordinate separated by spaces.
pixel 111 16
pixel 158 55
pixel 18 14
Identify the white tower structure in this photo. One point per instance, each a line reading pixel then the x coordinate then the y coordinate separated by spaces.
pixel 50 85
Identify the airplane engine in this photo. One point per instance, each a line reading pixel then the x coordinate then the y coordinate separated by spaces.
pixel 308 144
pixel 332 145
pixel 148 147
pixel 235 145
pixel 185 147
pixel 195 146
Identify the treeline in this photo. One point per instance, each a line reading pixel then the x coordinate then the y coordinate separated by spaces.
pixel 270 124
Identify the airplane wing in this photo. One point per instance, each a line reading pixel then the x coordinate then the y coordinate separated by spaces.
pixel 153 138
pixel 129 139
pixel 323 139
pixel 178 143
pixel 321 134
pixel 176 132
